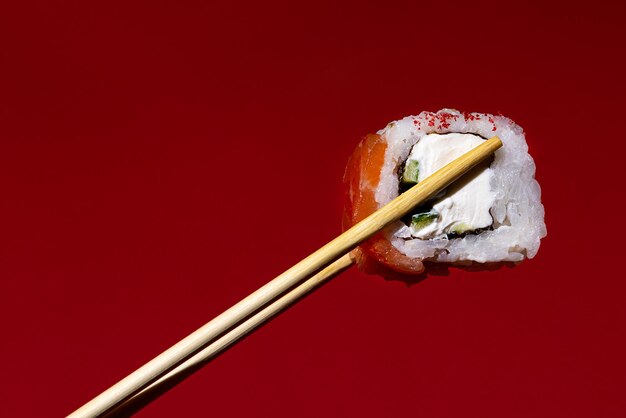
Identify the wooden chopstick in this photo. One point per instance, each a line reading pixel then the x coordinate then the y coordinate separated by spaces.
pixel 196 362
pixel 198 340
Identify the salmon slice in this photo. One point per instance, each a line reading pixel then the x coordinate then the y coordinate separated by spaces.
pixel 377 255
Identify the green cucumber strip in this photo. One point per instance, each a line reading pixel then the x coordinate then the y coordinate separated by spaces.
pixel 411 172
pixel 461 228
pixel 420 220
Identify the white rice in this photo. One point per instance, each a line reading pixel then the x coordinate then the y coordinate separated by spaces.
pixel 518 215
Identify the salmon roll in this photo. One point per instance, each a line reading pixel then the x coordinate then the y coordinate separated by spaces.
pixel 493 214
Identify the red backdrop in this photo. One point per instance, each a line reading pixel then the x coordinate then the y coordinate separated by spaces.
pixel 161 161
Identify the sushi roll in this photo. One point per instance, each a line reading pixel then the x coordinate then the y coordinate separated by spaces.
pixel 492 215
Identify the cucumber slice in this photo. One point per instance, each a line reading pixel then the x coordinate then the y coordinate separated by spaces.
pixel 411 172
pixel 421 220
pixel 461 228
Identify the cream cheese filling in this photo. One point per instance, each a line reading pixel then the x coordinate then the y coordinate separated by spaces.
pixel 465 206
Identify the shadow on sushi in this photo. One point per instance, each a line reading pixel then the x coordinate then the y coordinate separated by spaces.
pixel 434 269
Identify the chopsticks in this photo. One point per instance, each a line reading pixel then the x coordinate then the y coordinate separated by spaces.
pixel 318 260
pixel 196 362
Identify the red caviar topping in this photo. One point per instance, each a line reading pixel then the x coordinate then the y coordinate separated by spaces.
pixel 444 120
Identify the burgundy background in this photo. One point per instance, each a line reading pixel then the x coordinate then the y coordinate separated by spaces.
pixel 159 161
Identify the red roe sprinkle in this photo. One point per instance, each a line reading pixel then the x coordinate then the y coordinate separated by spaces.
pixel 472 116
pixel 444 120
pixel 431 119
pixel 468 116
